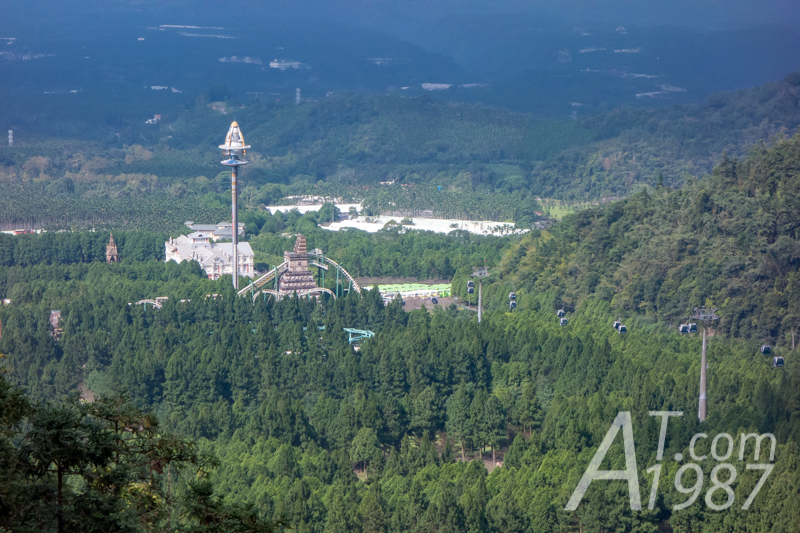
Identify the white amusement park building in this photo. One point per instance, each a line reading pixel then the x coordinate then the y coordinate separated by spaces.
pixel 215 258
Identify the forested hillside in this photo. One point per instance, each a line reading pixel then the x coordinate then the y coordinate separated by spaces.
pixel 343 145
pixel 729 240
pixel 105 465
pixel 291 410
pixel 140 396
pixel 437 423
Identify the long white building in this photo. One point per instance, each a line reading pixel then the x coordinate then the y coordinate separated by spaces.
pixel 216 232
pixel 215 258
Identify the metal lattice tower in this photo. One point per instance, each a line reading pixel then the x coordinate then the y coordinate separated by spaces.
pixel 234 148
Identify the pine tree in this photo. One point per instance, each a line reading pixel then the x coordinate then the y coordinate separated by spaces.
pixel 337 512
pixel 493 424
pixel 426 411
pixel 394 466
pixel 515 452
pixel 477 426
pixel 448 455
pixel 372 511
pixel 458 416
pixel 449 515
pixel 363 446
pixel 376 463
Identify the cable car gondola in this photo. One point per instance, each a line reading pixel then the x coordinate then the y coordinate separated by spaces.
pixel 512 295
pixel 683 328
pixel 617 324
pixel 470 283
pixel 563 321
pixel 434 300
pixel 692 328
pixel 512 305
pixel 470 290
pixel 560 313
pixel 766 350
pixel 622 329
pixel 777 362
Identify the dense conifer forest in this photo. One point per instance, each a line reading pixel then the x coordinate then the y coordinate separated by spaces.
pixel 634 367
pixel 438 423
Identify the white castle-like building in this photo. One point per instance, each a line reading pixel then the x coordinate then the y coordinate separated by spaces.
pixel 215 258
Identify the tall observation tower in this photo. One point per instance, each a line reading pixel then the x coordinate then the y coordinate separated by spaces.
pixel 234 148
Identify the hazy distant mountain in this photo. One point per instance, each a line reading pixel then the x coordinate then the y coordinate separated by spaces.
pixel 552 58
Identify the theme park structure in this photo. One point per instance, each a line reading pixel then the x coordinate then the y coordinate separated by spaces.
pixel 294 277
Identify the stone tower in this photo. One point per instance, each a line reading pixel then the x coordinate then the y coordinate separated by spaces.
pixel 112 255
pixel 298 277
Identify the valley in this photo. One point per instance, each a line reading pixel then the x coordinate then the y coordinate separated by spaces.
pixel 478 267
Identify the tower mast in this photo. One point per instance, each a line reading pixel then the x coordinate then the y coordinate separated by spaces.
pixel 234 147
pixel 706 315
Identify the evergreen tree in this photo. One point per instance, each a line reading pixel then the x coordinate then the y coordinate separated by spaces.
pixel 337 520
pixel 363 447
pixel 449 517
pixel 448 455
pixel 394 465
pixel 376 464
pixel 372 511
pixel 426 411
pixel 515 452
pixel 458 416
pixel 493 425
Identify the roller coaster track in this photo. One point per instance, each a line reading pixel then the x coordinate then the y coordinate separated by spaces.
pixel 355 335
pixel 266 278
pixel 316 259
pixel 330 261
pixel 154 303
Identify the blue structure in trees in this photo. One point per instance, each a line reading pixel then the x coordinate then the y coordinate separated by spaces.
pixel 355 335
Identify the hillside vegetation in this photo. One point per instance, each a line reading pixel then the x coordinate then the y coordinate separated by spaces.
pixel 404 434
pixel 293 413
pixel 437 423
pixel 343 145
pixel 729 240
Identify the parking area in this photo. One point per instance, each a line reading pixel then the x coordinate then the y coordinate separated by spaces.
pixel 417 303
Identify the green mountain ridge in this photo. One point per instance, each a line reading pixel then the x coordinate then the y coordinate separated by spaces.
pixel 351 142
pixel 309 431
pixel 729 240
pixel 438 423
